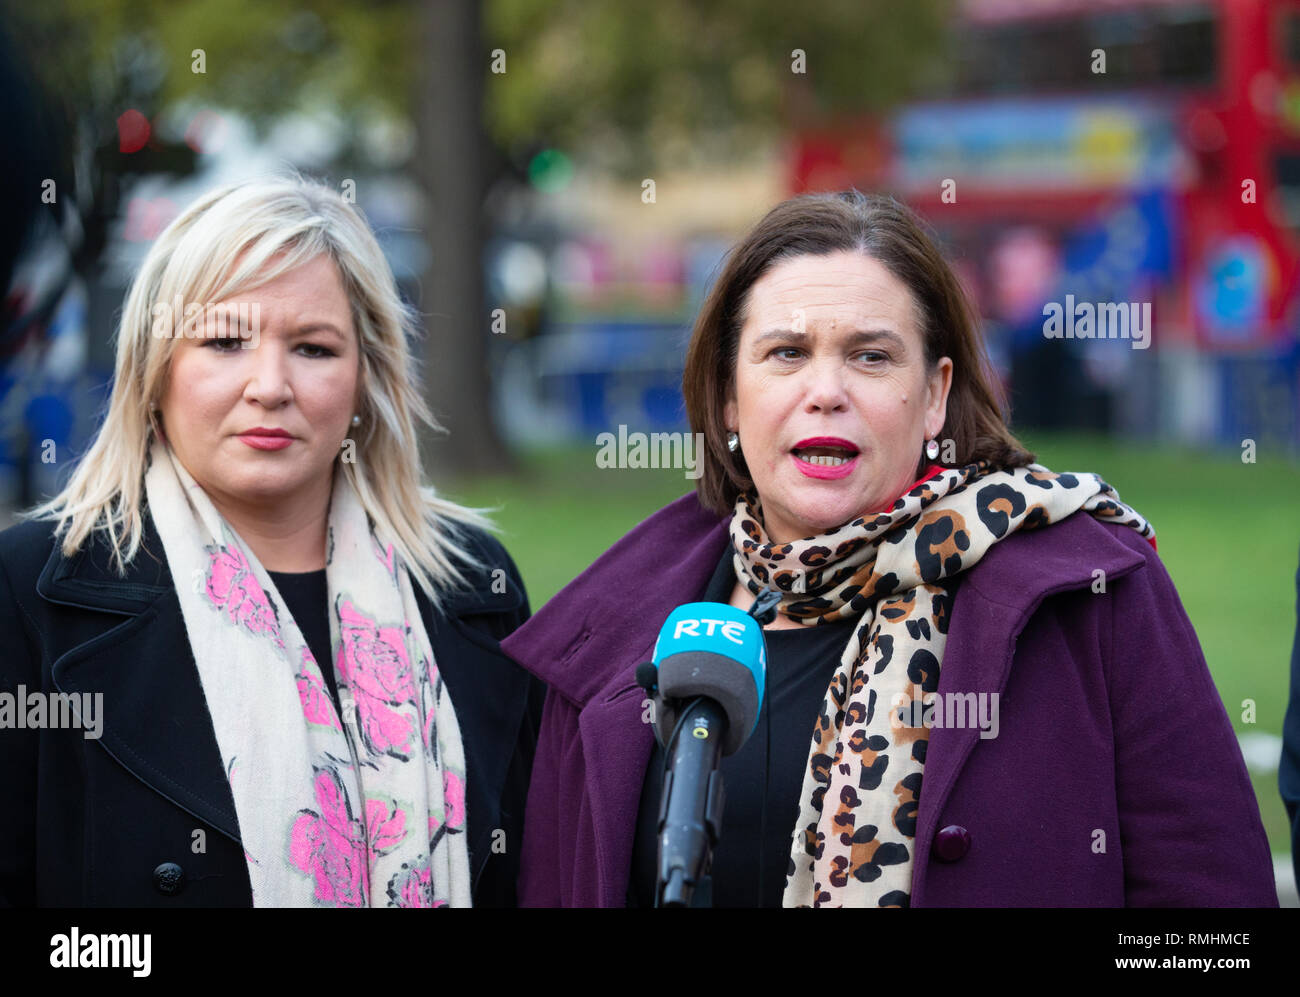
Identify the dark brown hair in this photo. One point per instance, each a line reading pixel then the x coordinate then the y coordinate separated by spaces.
pixel 890 233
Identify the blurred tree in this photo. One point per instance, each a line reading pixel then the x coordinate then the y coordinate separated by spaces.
pixel 631 86
pixel 643 82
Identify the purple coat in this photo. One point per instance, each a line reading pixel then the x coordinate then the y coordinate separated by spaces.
pixel 1115 778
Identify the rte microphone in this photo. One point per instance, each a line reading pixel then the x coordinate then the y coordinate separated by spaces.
pixel 708 677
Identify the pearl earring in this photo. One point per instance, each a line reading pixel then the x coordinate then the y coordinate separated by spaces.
pixel 356 420
pixel 733 442
pixel 932 449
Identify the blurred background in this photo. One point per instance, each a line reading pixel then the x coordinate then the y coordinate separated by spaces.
pixel 555 185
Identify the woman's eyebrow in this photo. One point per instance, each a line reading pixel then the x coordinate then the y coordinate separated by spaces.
pixel 320 326
pixel 859 337
pixel 862 337
pixel 779 333
pixel 232 313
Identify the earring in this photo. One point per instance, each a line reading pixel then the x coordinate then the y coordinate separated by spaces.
pixel 932 449
pixel 733 442
pixel 356 420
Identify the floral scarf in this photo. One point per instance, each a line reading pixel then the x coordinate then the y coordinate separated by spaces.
pixel 853 843
pixel 366 809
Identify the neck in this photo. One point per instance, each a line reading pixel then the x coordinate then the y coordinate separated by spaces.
pixel 290 539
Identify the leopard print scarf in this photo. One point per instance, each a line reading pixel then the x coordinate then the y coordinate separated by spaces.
pixel 852 844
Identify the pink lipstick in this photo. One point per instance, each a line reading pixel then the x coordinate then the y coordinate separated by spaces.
pixel 261 438
pixel 825 457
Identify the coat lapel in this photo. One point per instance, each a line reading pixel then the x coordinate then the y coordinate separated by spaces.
pixel 155 719
pixel 995 600
pixel 586 643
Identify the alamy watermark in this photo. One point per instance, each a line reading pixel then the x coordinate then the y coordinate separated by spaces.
pixel 949 709
pixel 651 450
pixel 177 320
pixel 23 710
pixel 102 951
pixel 1104 320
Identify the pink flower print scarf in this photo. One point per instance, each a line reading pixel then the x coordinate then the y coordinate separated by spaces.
pixel 361 809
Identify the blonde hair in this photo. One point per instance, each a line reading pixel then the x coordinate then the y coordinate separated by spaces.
pixel 267 228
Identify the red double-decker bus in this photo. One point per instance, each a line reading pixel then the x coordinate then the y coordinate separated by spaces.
pixel 1123 149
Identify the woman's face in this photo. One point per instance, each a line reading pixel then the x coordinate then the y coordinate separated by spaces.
pixel 831 366
pixel 301 380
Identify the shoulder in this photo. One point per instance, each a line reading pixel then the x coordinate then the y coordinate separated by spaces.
pixel 1022 568
pixel 492 585
pixel 666 536
pixel 25 548
pixel 611 612
pixel 653 556
pixel 479 545
pixel 1148 588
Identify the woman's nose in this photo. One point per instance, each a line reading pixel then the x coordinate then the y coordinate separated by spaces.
pixel 268 383
pixel 825 390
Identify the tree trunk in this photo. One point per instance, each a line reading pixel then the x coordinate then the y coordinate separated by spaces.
pixel 452 147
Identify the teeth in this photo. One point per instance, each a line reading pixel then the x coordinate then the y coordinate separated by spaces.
pixel 824 461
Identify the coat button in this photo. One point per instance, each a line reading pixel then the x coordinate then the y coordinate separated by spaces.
pixel 951 843
pixel 169 878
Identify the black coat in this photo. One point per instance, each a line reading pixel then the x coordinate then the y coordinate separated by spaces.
pixel 109 821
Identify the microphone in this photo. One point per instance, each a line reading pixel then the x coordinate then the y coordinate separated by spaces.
pixel 707 675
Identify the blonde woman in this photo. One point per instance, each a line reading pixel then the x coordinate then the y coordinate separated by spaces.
pixel 248 659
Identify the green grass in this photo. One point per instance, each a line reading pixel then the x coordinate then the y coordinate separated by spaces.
pixel 1228 533
pixel 560 512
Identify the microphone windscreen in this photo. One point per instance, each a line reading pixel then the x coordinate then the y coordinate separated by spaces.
pixel 714 650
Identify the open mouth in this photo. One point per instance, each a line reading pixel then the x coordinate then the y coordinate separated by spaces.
pixel 825 453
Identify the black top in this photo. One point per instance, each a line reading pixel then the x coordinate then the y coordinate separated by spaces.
pixel 306 595
pixel 800 664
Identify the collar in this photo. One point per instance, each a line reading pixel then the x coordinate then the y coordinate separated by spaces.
pixel 608 617
pixel 585 640
pixel 89 580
